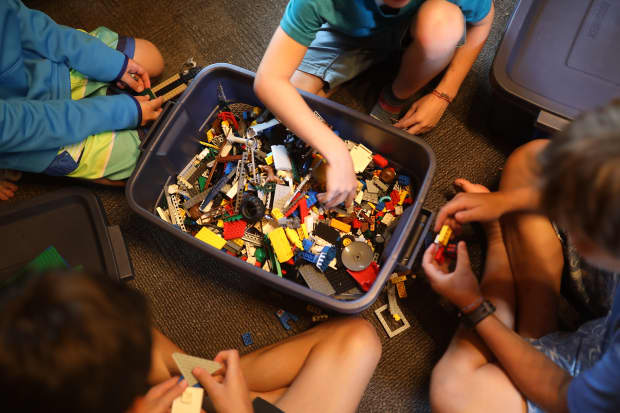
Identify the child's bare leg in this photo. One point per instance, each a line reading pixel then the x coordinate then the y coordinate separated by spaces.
pixel 308 372
pixel 435 33
pixel 534 249
pixel 149 57
pixel 162 365
pixel 108 182
pixel 465 379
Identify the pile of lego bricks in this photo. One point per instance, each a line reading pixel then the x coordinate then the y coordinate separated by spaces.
pixel 252 191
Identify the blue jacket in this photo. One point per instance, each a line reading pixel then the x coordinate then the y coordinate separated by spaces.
pixel 37 115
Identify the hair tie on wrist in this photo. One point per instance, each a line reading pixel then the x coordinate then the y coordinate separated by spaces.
pixel 441 95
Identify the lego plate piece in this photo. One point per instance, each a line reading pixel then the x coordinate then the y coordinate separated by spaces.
pixel 357 256
pixel 189 402
pixel 367 276
pixel 187 363
pixel 316 280
pixel 391 332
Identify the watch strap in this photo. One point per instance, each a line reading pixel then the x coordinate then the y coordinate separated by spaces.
pixel 480 313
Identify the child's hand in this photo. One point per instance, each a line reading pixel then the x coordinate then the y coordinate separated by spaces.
pixel 471 207
pixel 160 397
pixel 135 77
pixel 341 179
pixel 460 286
pixel 423 115
pixel 151 109
pixel 231 394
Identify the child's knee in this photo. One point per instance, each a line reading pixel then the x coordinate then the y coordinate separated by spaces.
pixel 438 28
pixel 149 56
pixel 360 338
pixel 446 384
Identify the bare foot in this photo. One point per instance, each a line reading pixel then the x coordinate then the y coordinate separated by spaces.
pixel 7 190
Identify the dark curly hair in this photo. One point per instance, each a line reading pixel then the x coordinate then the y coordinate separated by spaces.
pixel 71 342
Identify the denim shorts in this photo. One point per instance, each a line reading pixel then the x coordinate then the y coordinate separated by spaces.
pixel 337 58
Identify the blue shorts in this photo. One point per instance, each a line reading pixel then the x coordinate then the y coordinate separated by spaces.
pixel 336 58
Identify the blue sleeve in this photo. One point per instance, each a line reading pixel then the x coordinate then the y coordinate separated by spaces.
pixel 597 390
pixel 302 20
pixel 62 44
pixel 31 125
pixel 474 10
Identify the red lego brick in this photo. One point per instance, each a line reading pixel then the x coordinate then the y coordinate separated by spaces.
pixel 389 206
pixel 234 229
pixel 395 197
pixel 356 223
pixel 379 160
pixel 366 277
pixel 303 209
pixel 229 117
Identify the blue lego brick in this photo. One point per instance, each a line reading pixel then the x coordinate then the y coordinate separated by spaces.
pixel 403 180
pixel 285 317
pixel 308 256
pixel 325 257
pixel 380 206
pixel 229 167
pixel 247 339
pixel 311 200
pixel 307 244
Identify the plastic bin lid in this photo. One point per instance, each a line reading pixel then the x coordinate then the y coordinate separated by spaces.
pixel 72 221
pixel 561 55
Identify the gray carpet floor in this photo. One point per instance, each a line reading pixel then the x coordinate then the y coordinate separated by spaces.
pixel 204 306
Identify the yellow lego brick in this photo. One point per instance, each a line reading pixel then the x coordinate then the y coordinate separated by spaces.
pixel 403 195
pixel 293 237
pixel 225 124
pixel 402 291
pixel 444 235
pixel 303 232
pixel 238 241
pixel 269 159
pixel 396 317
pixel 372 205
pixel 277 214
pixel 211 238
pixel 280 244
pixel 398 279
pixel 339 225
pixel 220 223
pixel 210 135
pixel 256 111
pixel 315 210
pixel 254 123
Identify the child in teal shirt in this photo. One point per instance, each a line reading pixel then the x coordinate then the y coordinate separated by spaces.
pixel 322 43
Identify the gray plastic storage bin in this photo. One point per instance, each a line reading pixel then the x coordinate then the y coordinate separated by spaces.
pixel 559 58
pixel 172 142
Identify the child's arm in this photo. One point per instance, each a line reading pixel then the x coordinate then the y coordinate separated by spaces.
pixel 274 88
pixel 426 112
pixel 29 125
pixel 78 50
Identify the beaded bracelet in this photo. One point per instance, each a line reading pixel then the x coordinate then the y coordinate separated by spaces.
pixel 442 95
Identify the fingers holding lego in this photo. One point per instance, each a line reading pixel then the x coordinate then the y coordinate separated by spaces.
pixel 341 183
pixel 230 395
pixel 7 190
pixel 151 109
pixel 423 115
pixel 460 286
pixel 135 77
pixel 160 397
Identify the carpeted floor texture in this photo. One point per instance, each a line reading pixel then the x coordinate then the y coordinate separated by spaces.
pixel 204 306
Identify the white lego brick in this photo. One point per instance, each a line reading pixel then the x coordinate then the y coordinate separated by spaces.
pixel 280 195
pixel 359 197
pixel 387 219
pixel 361 157
pixel 232 191
pixel 281 160
pixel 189 402
pixel 163 214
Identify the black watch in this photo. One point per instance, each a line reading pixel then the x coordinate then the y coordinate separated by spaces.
pixel 483 311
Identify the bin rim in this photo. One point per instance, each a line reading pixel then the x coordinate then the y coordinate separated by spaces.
pixel 342 306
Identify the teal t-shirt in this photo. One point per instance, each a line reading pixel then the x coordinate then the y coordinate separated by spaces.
pixel 358 18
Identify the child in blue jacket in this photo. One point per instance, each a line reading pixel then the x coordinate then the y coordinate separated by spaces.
pixel 56 114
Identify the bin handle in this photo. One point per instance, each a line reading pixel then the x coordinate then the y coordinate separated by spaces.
pixel 121 255
pixel 154 128
pixel 415 242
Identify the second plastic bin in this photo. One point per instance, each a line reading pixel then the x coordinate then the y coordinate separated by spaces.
pixel 173 142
